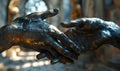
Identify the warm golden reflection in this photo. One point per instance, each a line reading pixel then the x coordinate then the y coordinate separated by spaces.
pixel 24 60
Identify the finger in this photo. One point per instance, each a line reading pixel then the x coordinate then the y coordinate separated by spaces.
pixel 53 56
pixel 49 13
pixel 95 22
pixel 43 15
pixel 69 24
pixel 49 52
pixel 91 23
pixel 41 55
pixel 77 22
pixel 67 42
pixel 54 59
pixel 49 56
pixel 65 52
pixel 61 59
pixel 54 32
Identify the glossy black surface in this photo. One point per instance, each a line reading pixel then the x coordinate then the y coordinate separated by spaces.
pixel 33 32
pixel 91 33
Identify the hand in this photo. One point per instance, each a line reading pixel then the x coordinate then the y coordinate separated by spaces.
pixel 91 33
pixel 33 32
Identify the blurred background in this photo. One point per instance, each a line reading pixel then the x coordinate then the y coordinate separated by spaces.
pixel 106 58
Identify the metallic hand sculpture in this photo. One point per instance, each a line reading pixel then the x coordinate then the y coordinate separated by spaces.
pixel 90 33
pixel 33 32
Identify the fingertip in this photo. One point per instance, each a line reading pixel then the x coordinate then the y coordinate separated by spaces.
pixel 42 55
pixel 54 61
pixel 54 11
pixel 66 24
pixel 63 24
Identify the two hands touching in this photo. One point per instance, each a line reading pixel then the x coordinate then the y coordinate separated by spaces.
pixel 33 32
